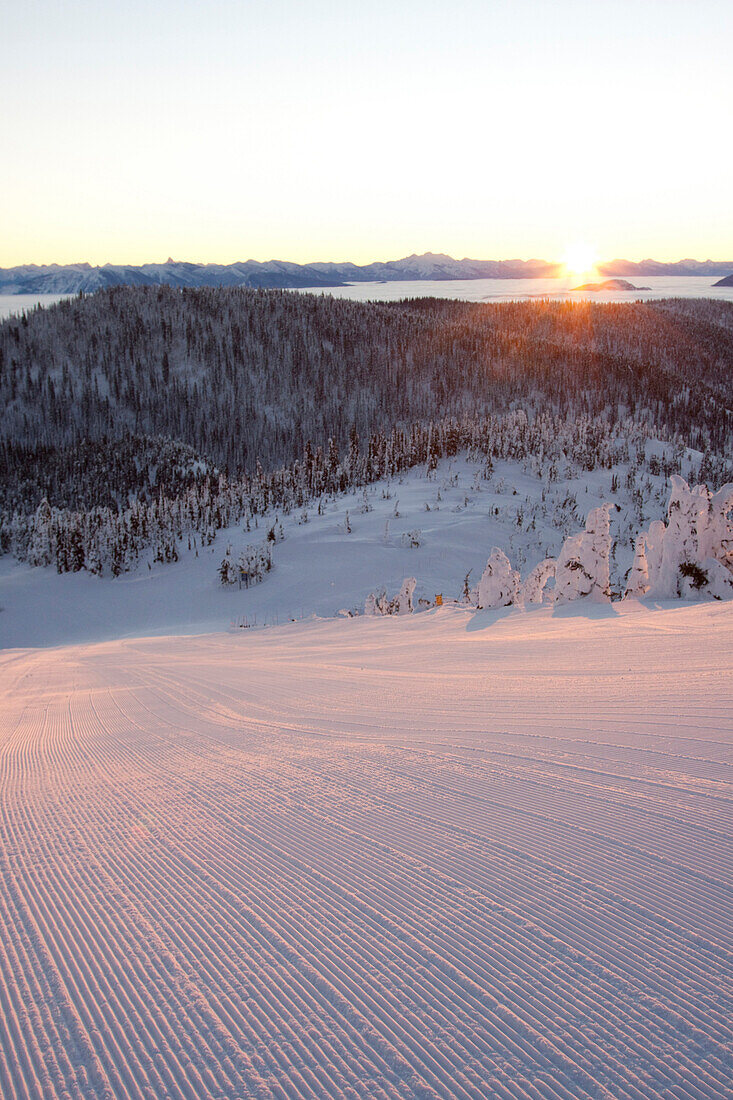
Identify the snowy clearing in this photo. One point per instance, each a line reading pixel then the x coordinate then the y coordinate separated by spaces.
pixel 447 855
pixel 320 568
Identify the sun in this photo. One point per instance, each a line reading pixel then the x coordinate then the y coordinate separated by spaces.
pixel 579 259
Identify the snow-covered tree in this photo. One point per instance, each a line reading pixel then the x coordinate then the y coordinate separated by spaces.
pixel 693 552
pixel 227 572
pixel 708 578
pixel 127 436
pixel 370 605
pixel 402 602
pixel 41 549
pixel 637 582
pixel 276 532
pixel 583 564
pixel 719 533
pixel 687 513
pixel 533 588
pixel 573 577
pixel 377 603
pixel 499 584
pixel 253 562
pixel 653 546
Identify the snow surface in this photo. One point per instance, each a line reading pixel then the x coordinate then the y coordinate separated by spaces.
pixel 496 290
pixel 455 854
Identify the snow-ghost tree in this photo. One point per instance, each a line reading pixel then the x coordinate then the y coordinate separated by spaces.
pixel 499 584
pixel 533 588
pixel 583 565
pixel 598 542
pixel 692 555
pixel 653 546
pixel 719 541
pixel 573 577
pixel 637 582
pixel 687 513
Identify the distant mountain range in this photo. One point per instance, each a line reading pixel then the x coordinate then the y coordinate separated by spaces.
pixel 71 278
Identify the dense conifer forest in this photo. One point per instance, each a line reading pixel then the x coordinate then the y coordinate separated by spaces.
pixel 136 417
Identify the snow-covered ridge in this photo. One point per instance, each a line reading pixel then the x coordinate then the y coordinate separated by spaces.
pixel 248 377
pixel 691 556
pixel 72 278
pixel 327 555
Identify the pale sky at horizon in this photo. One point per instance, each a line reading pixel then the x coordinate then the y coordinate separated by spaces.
pixel 315 130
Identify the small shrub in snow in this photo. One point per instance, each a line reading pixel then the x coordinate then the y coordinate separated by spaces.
pixel 227 572
pixel 276 533
pixel 412 539
pixel 402 604
pixel 376 603
pixel 251 565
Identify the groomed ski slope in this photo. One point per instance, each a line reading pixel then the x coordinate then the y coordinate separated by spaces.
pixel 450 855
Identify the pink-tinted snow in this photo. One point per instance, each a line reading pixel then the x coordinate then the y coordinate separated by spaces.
pixel 446 855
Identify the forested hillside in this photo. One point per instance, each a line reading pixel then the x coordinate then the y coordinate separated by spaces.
pixel 184 401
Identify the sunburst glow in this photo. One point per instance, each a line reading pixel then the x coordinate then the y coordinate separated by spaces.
pixel 579 260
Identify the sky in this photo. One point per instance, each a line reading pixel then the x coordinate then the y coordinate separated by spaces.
pixel 223 130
